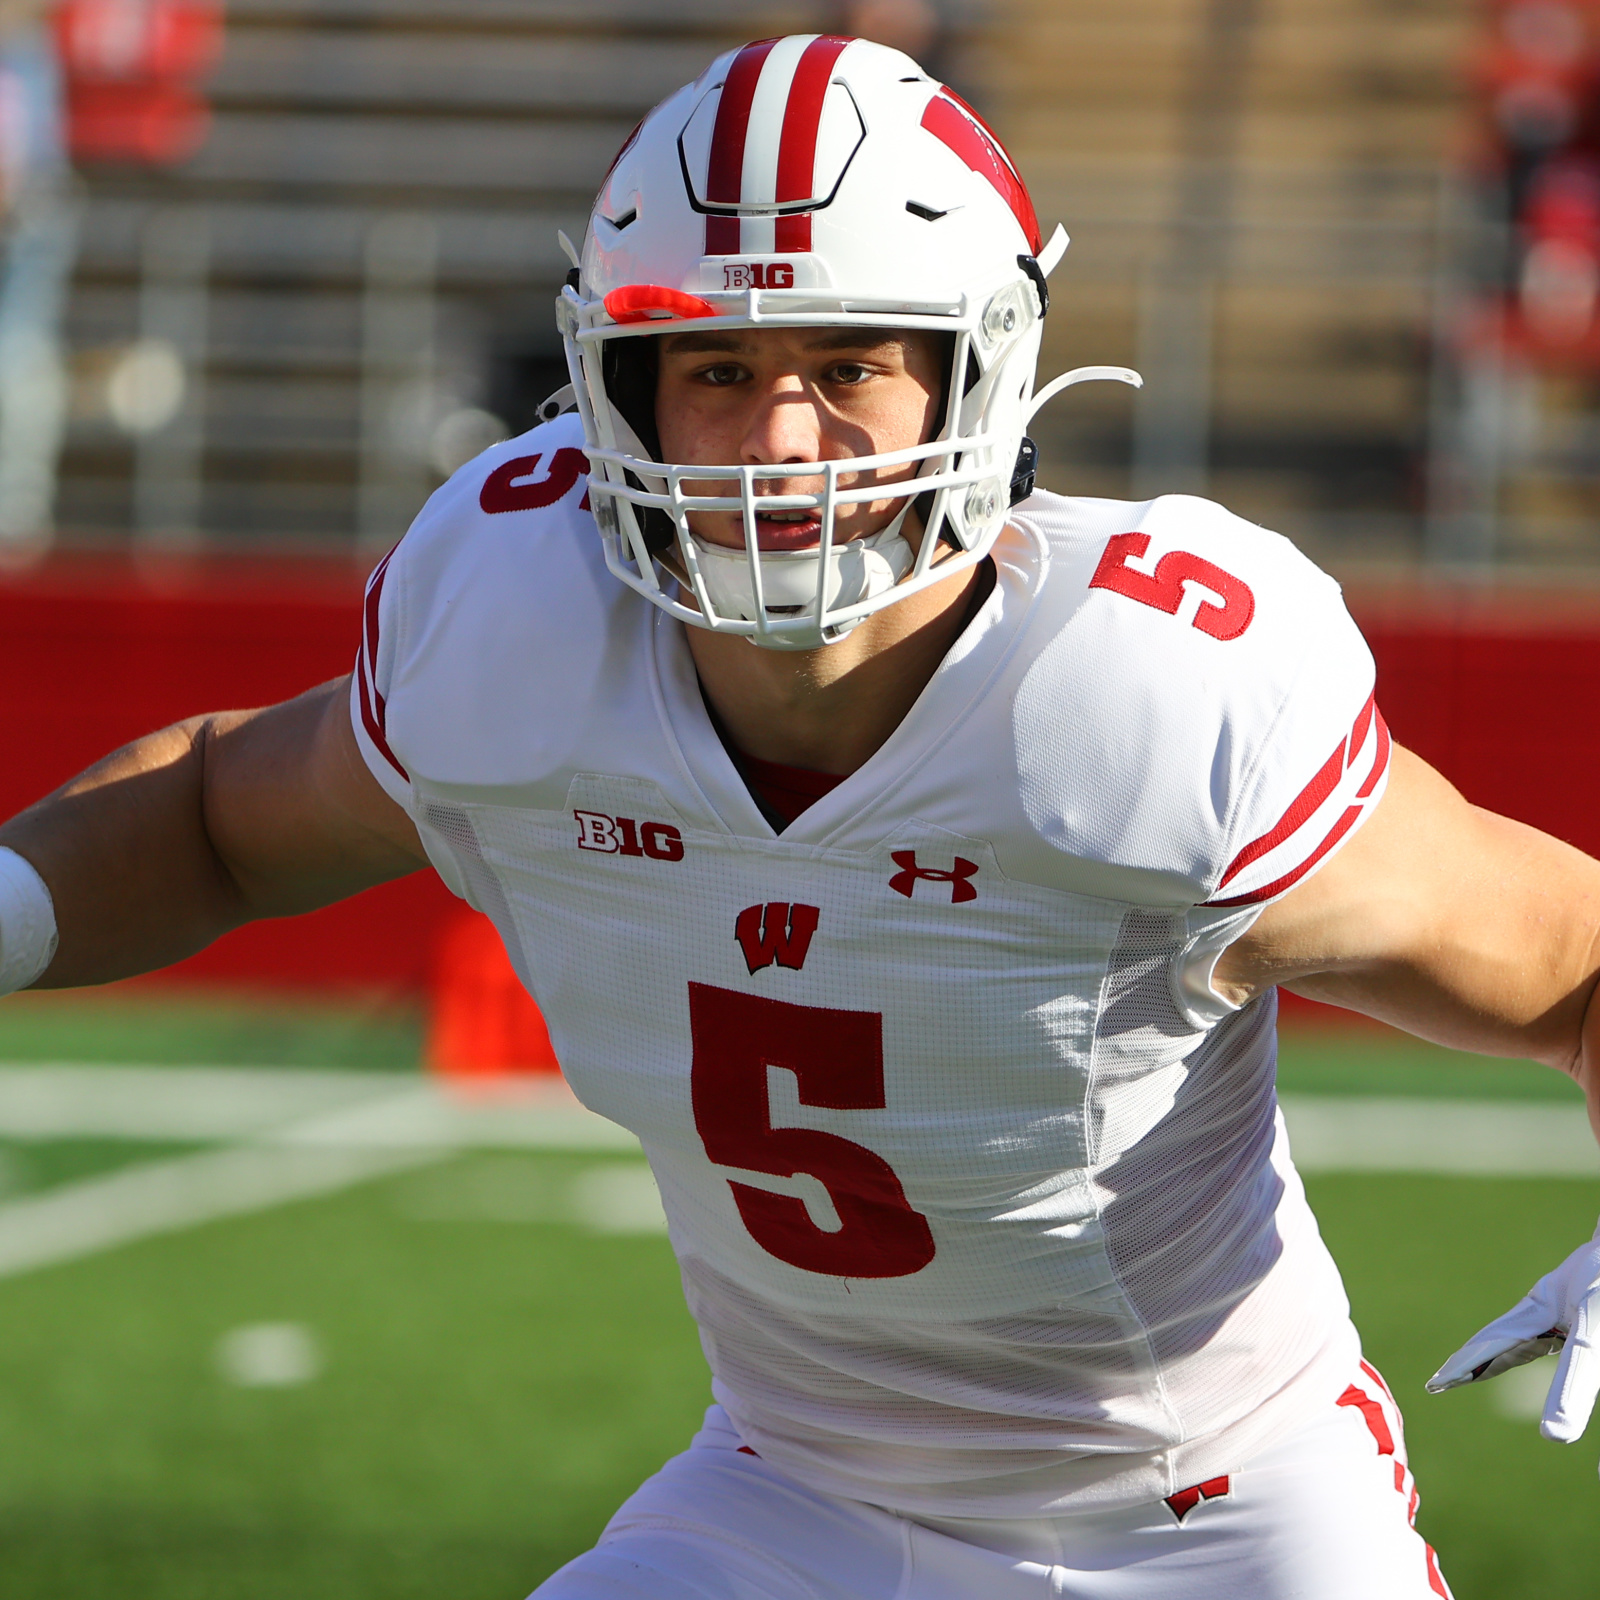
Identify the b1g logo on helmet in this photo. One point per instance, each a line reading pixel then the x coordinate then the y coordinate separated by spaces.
pixel 758 275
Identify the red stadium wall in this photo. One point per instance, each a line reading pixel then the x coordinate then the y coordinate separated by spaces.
pixel 1498 692
pixel 95 652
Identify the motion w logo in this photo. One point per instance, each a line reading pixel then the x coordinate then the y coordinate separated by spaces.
pixel 910 875
pixel 778 933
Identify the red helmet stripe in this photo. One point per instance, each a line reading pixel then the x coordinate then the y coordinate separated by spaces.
pixel 725 172
pixel 722 236
pixel 797 148
pixel 953 123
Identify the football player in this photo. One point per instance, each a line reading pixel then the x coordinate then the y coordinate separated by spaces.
pixel 930 945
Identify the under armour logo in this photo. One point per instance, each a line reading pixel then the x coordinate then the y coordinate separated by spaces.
pixel 910 874
pixel 1185 1500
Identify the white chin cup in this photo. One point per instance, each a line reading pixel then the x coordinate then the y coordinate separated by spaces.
pixel 858 570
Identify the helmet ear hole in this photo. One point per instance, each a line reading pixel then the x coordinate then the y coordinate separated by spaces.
pixel 659 534
pixel 1036 276
pixel 629 369
pixel 1025 471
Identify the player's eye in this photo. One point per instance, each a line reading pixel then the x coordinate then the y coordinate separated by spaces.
pixel 721 375
pixel 848 373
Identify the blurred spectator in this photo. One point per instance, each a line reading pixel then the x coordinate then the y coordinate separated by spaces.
pixel 1559 283
pixel 133 70
pixel 909 25
pixel 38 228
pixel 915 26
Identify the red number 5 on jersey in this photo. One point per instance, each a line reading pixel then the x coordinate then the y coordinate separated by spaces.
pixel 1226 617
pixel 838 1058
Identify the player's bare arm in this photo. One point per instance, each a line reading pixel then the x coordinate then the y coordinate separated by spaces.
pixel 173 840
pixel 1444 919
pixel 1478 932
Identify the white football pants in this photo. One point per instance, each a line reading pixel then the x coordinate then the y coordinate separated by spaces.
pixel 1327 1515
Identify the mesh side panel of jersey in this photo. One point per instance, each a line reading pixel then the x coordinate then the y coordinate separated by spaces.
pixel 1141 1038
pixel 1205 1220
pixel 1183 1151
pixel 455 827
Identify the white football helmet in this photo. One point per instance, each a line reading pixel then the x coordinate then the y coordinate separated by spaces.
pixel 810 180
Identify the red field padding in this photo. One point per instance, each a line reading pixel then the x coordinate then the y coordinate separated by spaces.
pixel 97 651
pixel 1500 692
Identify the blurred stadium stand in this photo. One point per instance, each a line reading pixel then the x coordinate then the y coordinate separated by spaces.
pixel 347 291
pixel 1254 191
pixel 1279 210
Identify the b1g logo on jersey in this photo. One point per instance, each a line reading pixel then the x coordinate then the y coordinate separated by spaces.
pixel 622 836
pixel 758 275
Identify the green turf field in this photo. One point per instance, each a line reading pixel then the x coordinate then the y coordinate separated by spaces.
pixel 486 1380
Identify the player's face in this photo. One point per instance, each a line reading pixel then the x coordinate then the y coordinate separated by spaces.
pixel 769 396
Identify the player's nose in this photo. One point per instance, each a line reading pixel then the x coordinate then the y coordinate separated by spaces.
pixel 783 427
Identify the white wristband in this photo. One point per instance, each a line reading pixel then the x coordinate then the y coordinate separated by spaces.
pixel 27 923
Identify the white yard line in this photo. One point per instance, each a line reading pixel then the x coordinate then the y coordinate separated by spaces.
pixel 158 1103
pixel 227 1103
pixel 1448 1138
pixel 294 1135
pixel 80 1219
pixel 305 1134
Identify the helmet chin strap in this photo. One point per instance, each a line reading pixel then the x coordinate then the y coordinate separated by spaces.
pixel 858 569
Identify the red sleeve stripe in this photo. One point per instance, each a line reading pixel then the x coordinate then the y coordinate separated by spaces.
pixel 372 719
pixel 1381 764
pixel 1289 879
pixel 1307 802
pixel 1335 834
pixel 1378 1378
pixel 1435 1577
pixel 369 617
pixel 1358 734
pixel 374 714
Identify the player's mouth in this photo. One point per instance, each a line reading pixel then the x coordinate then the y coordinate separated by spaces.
pixel 788 530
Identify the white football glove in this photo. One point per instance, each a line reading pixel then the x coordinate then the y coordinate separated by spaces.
pixel 1560 1312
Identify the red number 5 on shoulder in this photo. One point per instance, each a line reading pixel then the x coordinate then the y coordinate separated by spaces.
pixel 1224 612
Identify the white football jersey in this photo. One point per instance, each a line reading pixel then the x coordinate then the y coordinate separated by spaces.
pixel 979 1191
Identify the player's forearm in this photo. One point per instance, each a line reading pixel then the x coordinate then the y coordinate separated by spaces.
pixel 123 849
pixel 1587 1068
pixel 1509 1013
pixel 172 841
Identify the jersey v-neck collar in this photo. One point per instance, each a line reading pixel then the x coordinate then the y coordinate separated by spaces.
pixel 1021 559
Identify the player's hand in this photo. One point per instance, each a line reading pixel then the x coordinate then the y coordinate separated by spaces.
pixel 1560 1312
